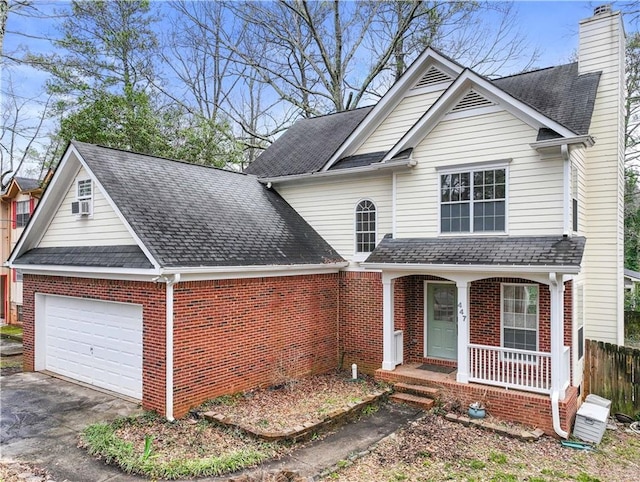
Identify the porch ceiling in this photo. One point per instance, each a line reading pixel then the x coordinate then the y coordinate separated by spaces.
pixel 549 252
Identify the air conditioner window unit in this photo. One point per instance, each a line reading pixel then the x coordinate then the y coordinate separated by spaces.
pixel 85 208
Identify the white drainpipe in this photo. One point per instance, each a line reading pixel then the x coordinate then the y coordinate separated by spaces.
pixel 555 382
pixel 169 347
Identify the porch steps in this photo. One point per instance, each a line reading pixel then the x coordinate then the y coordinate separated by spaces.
pixel 414 400
pixel 418 396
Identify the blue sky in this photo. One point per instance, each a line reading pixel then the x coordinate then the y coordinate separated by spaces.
pixel 549 26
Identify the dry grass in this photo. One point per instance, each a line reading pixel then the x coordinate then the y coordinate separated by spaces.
pixel 434 449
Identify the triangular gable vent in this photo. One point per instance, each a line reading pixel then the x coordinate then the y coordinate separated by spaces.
pixel 432 76
pixel 472 100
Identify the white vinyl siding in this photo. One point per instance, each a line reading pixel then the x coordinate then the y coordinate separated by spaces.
pixel 406 114
pixel 329 207
pixel 103 228
pixel 604 186
pixel 487 138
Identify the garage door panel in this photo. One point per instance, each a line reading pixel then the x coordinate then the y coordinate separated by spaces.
pixel 95 341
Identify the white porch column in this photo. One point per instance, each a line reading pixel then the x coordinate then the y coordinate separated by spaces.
pixel 556 287
pixel 388 345
pixel 463 331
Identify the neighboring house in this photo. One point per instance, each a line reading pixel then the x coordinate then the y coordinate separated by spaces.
pixel 18 202
pixel 463 222
pixel 631 280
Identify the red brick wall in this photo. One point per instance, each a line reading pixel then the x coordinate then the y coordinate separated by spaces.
pixel 150 295
pixel 360 315
pixel 233 335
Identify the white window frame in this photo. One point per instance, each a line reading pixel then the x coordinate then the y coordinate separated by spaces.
pixel 502 327
pixel 85 197
pixel 26 203
pixel 471 168
pixel 19 275
pixel 362 255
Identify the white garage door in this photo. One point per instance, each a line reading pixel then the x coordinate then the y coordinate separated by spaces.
pixel 96 342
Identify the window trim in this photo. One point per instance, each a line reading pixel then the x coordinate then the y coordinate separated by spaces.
pixel 88 198
pixel 502 285
pixel 28 203
pixel 362 255
pixel 470 168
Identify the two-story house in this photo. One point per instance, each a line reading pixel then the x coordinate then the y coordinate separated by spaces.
pixel 18 201
pixel 460 225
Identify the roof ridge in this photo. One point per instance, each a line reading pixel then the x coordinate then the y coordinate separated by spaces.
pixel 334 113
pixel 178 161
pixel 533 71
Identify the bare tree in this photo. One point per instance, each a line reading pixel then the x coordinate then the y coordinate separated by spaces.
pixel 21 138
pixel 330 56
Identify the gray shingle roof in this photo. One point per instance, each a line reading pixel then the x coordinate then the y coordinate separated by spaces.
pixel 307 145
pixel 188 215
pixel 557 92
pixel 103 256
pixel 492 250
pixel 27 183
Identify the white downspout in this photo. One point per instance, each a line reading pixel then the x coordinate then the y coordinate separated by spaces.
pixel 555 388
pixel 169 347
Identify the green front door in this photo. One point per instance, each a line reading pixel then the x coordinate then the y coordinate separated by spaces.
pixel 442 321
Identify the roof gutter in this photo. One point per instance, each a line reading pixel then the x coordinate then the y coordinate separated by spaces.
pixel 472 267
pixel 235 270
pixel 585 141
pixel 371 168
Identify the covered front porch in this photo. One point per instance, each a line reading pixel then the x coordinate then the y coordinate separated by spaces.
pixel 504 327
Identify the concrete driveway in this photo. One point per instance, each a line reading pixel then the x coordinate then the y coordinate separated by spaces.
pixel 41 417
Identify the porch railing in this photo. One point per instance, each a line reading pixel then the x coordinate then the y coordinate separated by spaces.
pixel 510 368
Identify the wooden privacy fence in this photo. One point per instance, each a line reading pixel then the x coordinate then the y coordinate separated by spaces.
pixel 613 372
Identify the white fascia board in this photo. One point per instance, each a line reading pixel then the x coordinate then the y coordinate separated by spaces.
pixel 439 268
pixel 390 101
pixel 470 80
pixel 88 272
pixel 236 272
pixel 374 168
pixel 49 203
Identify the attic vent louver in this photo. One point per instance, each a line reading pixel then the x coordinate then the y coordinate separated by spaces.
pixel 432 76
pixel 602 9
pixel 472 100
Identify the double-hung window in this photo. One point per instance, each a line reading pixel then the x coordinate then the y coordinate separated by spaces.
pixel 520 316
pixel 85 190
pixel 365 226
pixel 473 201
pixel 23 213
